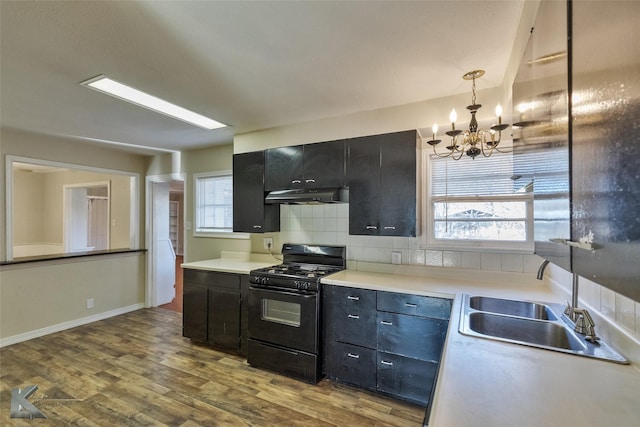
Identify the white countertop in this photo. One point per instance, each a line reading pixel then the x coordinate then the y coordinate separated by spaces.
pixel 233 262
pixel 489 383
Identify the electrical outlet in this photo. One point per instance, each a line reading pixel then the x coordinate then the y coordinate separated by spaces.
pixel 90 303
pixel 268 242
pixel 396 257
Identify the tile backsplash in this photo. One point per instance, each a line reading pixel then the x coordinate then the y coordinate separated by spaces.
pixel 329 224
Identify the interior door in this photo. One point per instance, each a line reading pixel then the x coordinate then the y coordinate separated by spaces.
pixel 164 257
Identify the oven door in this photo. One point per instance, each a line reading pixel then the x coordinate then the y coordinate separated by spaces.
pixel 284 318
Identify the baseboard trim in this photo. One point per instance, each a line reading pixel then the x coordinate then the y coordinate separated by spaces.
pixel 14 339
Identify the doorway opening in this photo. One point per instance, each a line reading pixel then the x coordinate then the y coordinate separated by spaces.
pixel 86 217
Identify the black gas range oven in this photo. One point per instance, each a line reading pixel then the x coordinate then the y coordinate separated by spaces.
pixel 284 310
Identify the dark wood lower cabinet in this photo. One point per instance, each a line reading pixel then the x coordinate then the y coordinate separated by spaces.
pixel 386 342
pixel 213 309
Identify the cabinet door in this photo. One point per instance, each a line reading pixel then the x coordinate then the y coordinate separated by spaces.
pixel 244 313
pixel 363 177
pixel 541 134
pixel 352 364
pixel 250 214
pixel 324 165
pixel 406 378
pixel 351 315
pixel 284 168
pixel 605 147
pixel 224 319
pixel 194 311
pixel 398 184
pixel 417 337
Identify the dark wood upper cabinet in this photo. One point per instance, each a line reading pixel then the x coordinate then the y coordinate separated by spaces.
pixel 381 174
pixel 605 151
pixel 579 138
pixel 250 214
pixel 319 165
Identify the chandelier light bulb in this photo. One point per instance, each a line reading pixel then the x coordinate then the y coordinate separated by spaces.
pixel 498 110
pixel 435 130
pixel 453 116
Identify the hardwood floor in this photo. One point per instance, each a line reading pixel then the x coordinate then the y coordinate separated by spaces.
pixel 137 370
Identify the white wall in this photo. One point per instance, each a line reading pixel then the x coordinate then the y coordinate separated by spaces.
pixel 40 297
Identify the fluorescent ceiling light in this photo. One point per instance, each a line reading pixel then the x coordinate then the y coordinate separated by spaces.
pixel 126 93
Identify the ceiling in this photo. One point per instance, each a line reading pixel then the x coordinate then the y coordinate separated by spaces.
pixel 251 65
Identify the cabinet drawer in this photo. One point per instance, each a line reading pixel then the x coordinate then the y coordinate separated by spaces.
pixel 228 281
pixel 415 305
pixel 406 378
pixel 352 364
pixel 417 337
pixel 351 315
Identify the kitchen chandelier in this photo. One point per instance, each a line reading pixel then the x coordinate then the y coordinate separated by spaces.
pixel 473 141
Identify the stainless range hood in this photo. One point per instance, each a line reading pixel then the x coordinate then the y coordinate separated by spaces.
pixel 308 196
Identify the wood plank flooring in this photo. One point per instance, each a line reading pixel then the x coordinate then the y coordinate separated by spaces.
pixel 137 370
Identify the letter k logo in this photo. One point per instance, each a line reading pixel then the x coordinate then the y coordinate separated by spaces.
pixel 21 407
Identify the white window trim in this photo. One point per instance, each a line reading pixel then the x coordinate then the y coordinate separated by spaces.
pixel 219 234
pixel 430 242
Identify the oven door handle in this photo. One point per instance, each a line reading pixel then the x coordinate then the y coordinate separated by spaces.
pixel 283 292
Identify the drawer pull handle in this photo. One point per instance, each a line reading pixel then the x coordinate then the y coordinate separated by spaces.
pixel 310 180
pixel 353 316
pixel 408 304
pixel 257 226
pixel 384 362
pixel 384 322
pixel 355 356
pixel 390 228
pixel 296 181
pixel 371 227
pixel 353 298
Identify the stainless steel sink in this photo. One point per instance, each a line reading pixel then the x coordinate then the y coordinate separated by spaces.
pixel 527 309
pixel 534 324
pixel 524 330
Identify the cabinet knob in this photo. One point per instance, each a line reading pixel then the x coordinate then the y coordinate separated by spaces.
pixel 384 362
pixel 390 227
pixel 372 227
pixel 353 316
pixel 384 322
pixel 355 356
pixel 353 298
pixel 310 180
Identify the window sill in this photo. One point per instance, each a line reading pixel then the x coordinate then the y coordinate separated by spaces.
pixel 222 235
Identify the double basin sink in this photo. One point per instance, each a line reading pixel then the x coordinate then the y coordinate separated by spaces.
pixel 534 324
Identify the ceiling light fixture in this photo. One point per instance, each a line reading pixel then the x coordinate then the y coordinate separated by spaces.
pixel 118 90
pixel 473 141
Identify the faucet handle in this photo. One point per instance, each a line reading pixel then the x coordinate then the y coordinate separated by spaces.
pixel 585 325
pixel 568 310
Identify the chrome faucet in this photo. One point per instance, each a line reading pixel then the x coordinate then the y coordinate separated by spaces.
pixel 582 320
pixel 541 269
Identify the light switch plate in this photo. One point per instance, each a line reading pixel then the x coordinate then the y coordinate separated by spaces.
pixel 396 257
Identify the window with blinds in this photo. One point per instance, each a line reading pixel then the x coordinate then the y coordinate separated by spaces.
pixel 479 203
pixel 214 203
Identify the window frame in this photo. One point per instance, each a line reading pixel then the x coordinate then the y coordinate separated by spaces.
pixel 214 233
pixel 430 241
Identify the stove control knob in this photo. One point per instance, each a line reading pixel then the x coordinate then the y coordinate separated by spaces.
pixel 302 285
